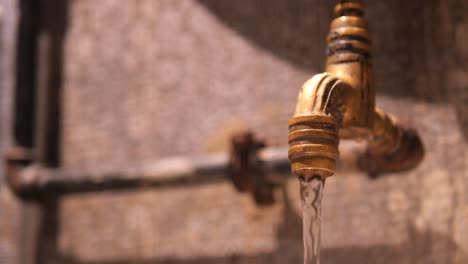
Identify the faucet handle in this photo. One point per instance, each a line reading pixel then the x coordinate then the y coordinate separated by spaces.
pixel 246 170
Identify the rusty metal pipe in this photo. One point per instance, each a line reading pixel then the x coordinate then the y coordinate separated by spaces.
pixel 341 103
pixel 35 181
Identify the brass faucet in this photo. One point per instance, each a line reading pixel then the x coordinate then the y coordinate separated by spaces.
pixel 341 103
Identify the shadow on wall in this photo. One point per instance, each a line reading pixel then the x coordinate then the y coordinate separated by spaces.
pixel 417 249
pixel 413 44
pixel 296 31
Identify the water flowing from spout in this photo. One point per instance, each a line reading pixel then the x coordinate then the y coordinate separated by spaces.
pixel 311 198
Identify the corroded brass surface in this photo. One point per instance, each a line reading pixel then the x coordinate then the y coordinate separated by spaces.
pixel 313 138
pixel 349 59
pixel 343 99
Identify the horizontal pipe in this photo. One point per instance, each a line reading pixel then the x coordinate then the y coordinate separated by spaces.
pixel 35 181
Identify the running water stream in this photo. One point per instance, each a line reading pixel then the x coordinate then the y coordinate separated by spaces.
pixel 311 198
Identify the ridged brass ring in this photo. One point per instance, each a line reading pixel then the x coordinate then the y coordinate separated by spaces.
pixel 313 145
pixel 348 21
pixel 349 32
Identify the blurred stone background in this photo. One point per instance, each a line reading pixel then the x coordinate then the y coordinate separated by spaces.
pixel 147 79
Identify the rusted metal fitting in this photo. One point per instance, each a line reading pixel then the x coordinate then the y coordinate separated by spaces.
pixel 246 169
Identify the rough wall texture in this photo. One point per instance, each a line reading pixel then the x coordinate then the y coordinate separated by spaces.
pixel 147 79
pixel 10 208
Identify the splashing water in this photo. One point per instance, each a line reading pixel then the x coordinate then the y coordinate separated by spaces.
pixel 311 198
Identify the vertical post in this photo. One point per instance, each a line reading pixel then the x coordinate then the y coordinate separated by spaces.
pixel 41 31
pixel 54 22
pixel 24 115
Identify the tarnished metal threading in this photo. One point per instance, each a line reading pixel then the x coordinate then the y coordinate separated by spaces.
pixel 348 32
pixel 313 145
